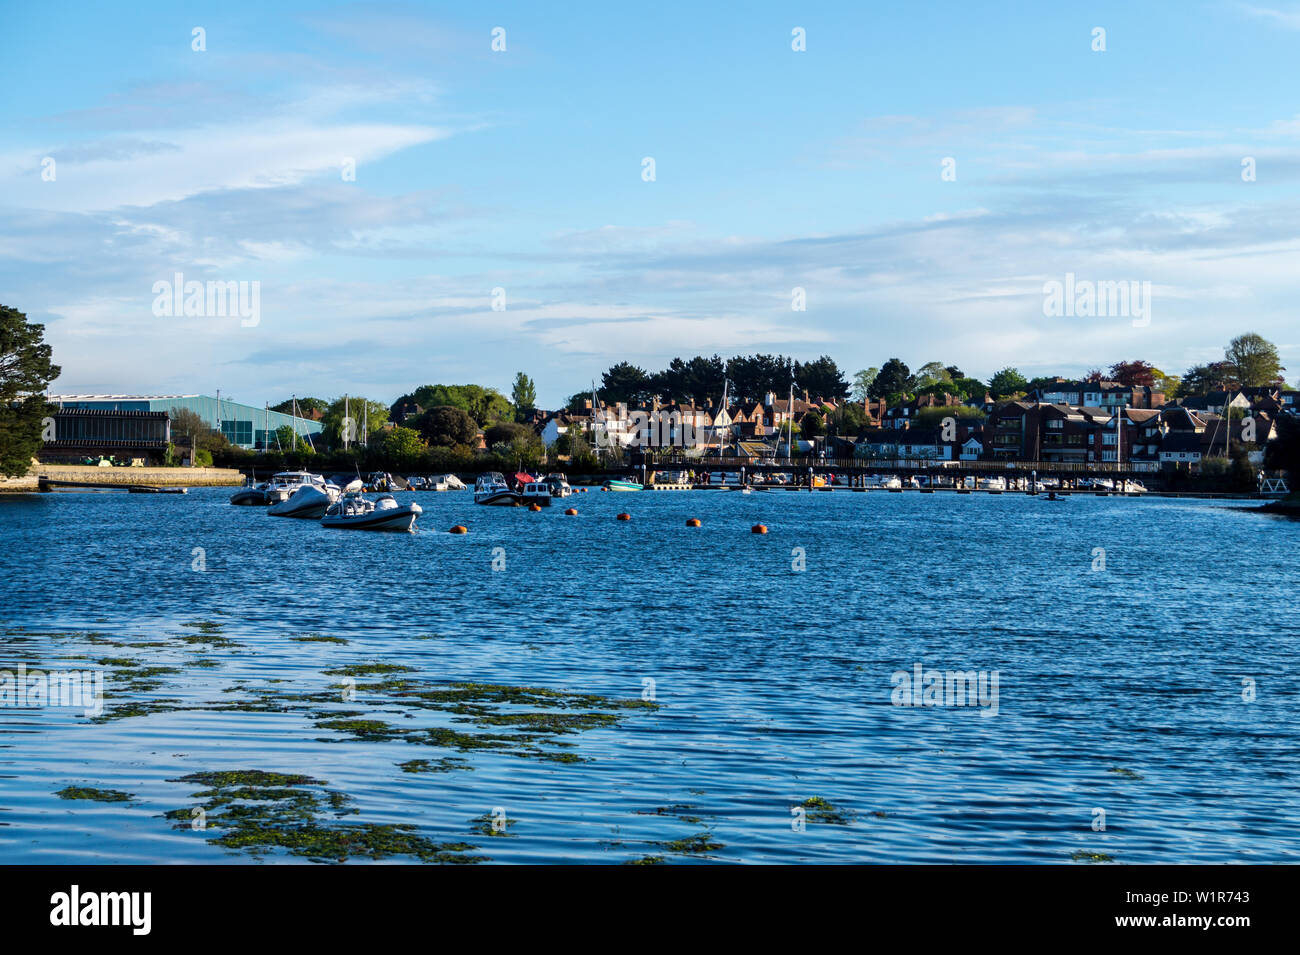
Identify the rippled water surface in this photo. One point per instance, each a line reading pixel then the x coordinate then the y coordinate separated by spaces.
pixel 1120 688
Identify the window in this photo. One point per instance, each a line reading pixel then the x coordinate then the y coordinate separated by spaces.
pixel 238 432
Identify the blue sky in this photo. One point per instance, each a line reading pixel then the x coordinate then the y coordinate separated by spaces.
pixel 522 170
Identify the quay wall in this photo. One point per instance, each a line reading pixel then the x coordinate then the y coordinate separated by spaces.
pixel 157 477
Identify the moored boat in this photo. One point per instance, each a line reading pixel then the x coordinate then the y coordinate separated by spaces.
pixel 355 511
pixel 282 486
pixel 620 484
pixel 491 488
pixel 558 483
pixel 250 495
pixel 310 501
pixel 537 493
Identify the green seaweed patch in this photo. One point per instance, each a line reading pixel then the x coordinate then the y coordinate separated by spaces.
pixel 445 765
pixel 1081 855
pixel 646 860
pixel 207 626
pixel 120 662
pixel 1126 773
pixel 259 812
pixel 369 669
pixel 96 795
pixel 817 809
pixel 362 729
pixel 549 722
pixel 699 844
pixel 490 825
pixel 122 711
pixel 682 811
pixel 317 638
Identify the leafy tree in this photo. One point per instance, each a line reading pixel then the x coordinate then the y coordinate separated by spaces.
pixel 848 418
pixel 895 378
pixel 954 372
pixel 696 380
pixel 187 425
pixel 821 378
pixel 25 373
pixel 305 406
pixel 1133 374
pixel 524 394
pixel 753 376
pixel 625 382
pixel 811 425
pixel 508 432
pixel 930 374
pixel 484 405
pixel 1215 376
pixel 1006 382
pixel 403 447
pixel 1171 385
pixel 862 383
pixel 445 426
pixel 291 442
pixel 368 418
pixel 1253 360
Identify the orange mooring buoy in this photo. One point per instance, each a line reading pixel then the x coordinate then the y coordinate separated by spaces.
pixel 693 522
pixel 571 511
pixel 759 529
pixel 625 517
pixel 459 529
pixel 534 507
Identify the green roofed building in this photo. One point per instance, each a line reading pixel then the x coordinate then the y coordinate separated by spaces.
pixel 243 425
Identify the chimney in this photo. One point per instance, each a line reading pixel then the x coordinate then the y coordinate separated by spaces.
pixel 805 396
pixel 771 399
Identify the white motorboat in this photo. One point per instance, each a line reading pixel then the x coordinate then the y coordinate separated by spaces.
pixel 491 488
pixel 558 483
pixel 992 484
pixel 537 493
pixel 310 500
pixel 282 485
pixel 355 511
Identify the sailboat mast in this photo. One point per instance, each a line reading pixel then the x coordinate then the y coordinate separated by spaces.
pixel 789 409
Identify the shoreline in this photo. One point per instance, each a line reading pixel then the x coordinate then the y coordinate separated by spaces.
pixel 157 477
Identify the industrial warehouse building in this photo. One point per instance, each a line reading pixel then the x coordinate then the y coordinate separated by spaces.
pixel 140 423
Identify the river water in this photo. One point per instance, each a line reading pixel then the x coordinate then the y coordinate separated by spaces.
pixel 582 689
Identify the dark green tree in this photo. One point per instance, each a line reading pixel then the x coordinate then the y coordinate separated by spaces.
pixel 625 382
pixel 524 394
pixel 444 426
pixel 1007 382
pixel 895 378
pixel 25 373
pixel 1254 360
pixel 821 379
pixel 305 406
pixel 753 376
